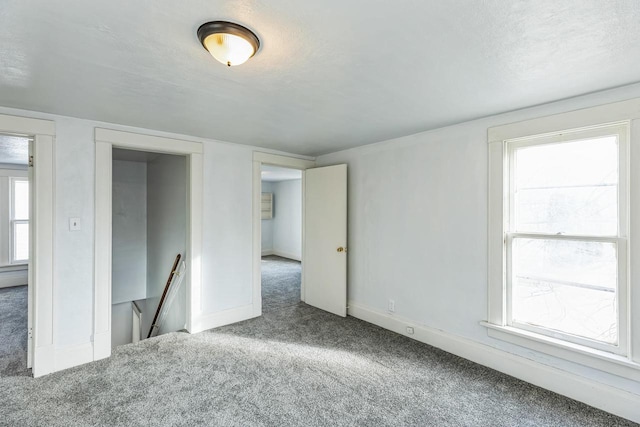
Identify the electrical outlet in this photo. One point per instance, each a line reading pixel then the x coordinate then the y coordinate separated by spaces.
pixel 392 306
pixel 410 330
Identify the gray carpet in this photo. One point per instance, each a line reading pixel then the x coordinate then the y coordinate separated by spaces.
pixel 294 366
pixel 280 283
pixel 13 331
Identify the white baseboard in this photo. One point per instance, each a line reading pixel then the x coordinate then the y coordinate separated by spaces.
pixel 43 360
pixel 593 393
pixel 68 357
pixel 288 255
pixel 13 278
pixel 226 317
pixel 102 345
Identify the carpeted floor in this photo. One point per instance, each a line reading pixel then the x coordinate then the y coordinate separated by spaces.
pixel 280 283
pixel 294 366
pixel 13 331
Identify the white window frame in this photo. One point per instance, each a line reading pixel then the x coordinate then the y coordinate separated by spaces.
pixel 13 221
pixel 625 358
pixel 621 130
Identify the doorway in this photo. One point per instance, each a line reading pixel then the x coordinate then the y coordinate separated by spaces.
pixel 41 133
pixel 260 161
pixel 281 237
pixel 149 224
pixel 324 232
pixel 15 211
pixel 191 154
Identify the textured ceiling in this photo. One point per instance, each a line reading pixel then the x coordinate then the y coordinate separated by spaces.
pixel 329 75
pixel 14 150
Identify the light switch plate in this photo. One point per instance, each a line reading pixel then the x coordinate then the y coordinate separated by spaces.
pixel 74 224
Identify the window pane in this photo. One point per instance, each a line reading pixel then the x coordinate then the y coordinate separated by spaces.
pixel 569 187
pixel 567 286
pixel 21 241
pixel 20 199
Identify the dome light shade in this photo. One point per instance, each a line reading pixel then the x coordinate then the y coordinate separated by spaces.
pixel 229 43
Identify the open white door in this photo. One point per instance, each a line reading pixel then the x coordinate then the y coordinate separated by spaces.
pixel 30 265
pixel 325 237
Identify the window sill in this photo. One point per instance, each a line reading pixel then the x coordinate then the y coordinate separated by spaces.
pixel 597 359
pixel 13 267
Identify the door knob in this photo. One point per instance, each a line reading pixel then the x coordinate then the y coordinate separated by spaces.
pixel 341 249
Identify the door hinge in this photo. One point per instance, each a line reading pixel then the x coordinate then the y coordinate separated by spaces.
pixel 30 161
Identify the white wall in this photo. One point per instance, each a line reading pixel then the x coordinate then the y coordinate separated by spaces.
pixel 121 321
pixel 418 227
pixel 228 231
pixel 73 251
pixel 267 225
pixel 129 231
pixel 282 234
pixel 287 220
pixel 166 232
pixel 227 235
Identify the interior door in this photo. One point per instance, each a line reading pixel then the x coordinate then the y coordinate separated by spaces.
pixel 30 265
pixel 325 237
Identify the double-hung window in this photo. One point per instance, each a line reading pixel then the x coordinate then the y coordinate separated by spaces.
pixel 562 271
pixel 19 219
pixel 566 236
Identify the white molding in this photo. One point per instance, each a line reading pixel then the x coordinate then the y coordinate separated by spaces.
pixel 106 139
pixel 26 126
pixel 287 255
pixel 634 243
pixel 256 222
pixel 194 239
pixel 14 267
pixel 22 172
pixel 222 318
pixel 267 252
pixel 42 225
pixel 593 393
pixel 102 345
pixel 260 158
pixel 41 309
pixel 583 122
pixel 496 292
pixel 303 294
pixel 13 278
pixel 282 161
pixel 597 359
pixel 102 251
pixel 138 141
pixel 43 360
pixel 12 167
pixel 68 357
pixel 608 113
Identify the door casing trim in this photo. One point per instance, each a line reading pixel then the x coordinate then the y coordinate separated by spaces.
pixel 259 159
pixel 105 140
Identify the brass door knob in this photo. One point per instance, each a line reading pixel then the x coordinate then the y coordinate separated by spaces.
pixel 341 249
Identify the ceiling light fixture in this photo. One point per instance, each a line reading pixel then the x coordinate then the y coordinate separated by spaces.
pixel 229 43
